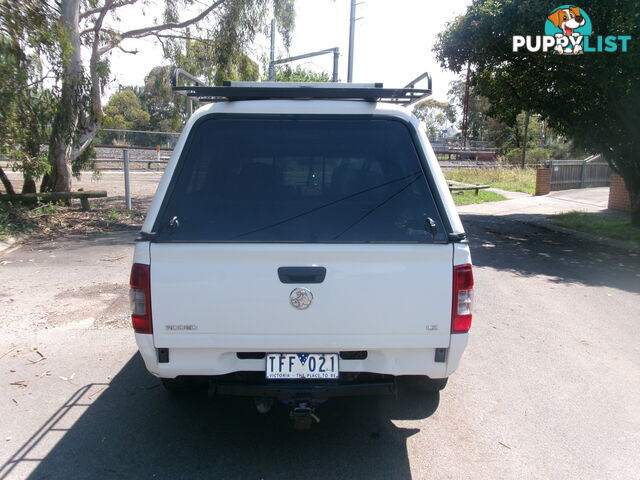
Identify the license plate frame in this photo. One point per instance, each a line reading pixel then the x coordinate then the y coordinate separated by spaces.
pixel 302 366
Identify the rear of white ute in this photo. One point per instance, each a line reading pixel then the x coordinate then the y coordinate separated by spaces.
pixel 299 250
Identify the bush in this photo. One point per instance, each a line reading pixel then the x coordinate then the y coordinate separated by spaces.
pixel 566 151
pixel 533 156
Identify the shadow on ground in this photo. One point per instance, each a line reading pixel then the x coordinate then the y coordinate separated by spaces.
pixel 134 429
pixel 504 243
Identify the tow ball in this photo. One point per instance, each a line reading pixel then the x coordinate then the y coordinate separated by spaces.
pixel 303 416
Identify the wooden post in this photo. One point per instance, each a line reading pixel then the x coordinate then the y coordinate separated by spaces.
pixel 84 201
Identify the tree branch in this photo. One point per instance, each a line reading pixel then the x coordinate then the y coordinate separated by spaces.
pixel 85 140
pixel 144 32
pixel 93 11
pixel 181 37
pixel 153 30
pixel 104 30
pixel 132 52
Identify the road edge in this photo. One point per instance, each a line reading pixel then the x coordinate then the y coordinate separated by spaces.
pixel 10 243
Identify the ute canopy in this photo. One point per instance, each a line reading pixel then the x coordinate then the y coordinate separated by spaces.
pixel 289 179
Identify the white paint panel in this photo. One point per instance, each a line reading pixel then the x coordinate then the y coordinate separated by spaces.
pixel 230 295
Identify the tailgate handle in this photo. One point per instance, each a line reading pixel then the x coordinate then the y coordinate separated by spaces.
pixel 302 274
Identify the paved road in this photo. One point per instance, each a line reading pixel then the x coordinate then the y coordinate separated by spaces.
pixel 548 388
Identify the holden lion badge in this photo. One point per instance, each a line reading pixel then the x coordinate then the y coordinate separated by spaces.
pixel 301 298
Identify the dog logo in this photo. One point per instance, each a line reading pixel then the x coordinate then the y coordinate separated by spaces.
pixel 567 30
pixel 300 298
pixel 569 24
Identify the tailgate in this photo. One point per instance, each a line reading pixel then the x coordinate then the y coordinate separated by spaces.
pixel 230 296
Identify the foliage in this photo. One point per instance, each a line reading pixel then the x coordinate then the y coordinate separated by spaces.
pixel 203 58
pixel 511 179
pixel 27 48
pixel 218 52
pixel 467 197
pixel 534 156
pixel 505 136
pixel 75 38
pixel 477 108
pixel 435 116
pixel 566 151
pixel 593 98
pixel 600 225
pixel 300 74
pixel 123 111
pixel 167 112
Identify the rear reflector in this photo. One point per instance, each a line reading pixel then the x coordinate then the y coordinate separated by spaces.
pixel 462 299
pixel 140 298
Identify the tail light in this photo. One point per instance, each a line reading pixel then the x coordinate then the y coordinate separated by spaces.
pixel 462 298
pixel 140 298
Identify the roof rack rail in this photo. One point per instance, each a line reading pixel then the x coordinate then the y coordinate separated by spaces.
pixel 231 91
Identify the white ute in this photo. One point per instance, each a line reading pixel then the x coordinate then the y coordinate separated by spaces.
pixel 302 244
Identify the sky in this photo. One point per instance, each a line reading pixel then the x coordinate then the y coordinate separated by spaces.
pixel 393 41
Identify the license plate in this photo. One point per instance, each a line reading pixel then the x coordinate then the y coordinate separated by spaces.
pixel 302 365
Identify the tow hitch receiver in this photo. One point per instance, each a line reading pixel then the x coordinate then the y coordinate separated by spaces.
pixel 303 416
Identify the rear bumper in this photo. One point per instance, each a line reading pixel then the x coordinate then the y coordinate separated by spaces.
pixel 296 391
pixel 384 361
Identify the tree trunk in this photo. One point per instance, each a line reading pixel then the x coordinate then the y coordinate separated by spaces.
pixel 65 124
pixel 634 197
pixel 6 182
pixel 29 185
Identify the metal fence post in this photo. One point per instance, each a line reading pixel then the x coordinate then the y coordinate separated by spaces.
pixel 127 186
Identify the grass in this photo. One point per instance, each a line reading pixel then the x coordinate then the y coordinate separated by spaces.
pixel 602 226
pixel 511 179
pixel 468 197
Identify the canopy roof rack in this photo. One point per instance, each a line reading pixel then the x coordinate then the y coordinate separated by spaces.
pixel 372 92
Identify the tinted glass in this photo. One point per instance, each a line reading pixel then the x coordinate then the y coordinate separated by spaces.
pixel 264 180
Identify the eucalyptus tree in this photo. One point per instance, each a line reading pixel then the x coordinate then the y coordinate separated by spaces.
pixel 91 29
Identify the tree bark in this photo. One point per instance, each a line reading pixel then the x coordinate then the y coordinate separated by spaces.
pixel 8 186
pixel 635 211
pixel 29 185
pixel 66 119
pixel 634 201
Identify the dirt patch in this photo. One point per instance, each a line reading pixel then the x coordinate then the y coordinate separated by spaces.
pixel 103 305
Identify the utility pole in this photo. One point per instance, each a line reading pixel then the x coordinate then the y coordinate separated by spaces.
pixel 465 110
pixel 272 57
pixel 352 31
pixel 187 54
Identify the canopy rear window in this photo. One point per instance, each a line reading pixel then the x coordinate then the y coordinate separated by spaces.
pixel 299 180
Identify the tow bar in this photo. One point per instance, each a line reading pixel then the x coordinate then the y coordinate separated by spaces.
pixel 303 416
